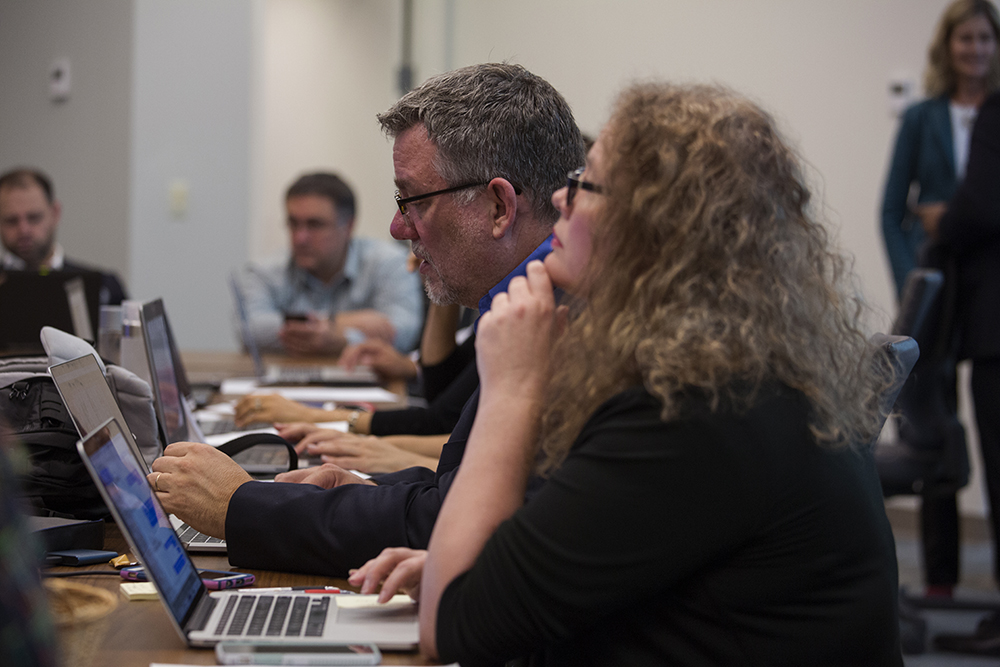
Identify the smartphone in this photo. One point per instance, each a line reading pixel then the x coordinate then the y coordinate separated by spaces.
pixel 215 580
pixel 296 317
pixel 241 653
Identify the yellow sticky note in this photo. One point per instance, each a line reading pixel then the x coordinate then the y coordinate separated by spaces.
pixel 139 590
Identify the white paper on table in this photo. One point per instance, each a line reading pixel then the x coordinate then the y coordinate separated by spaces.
pixel 335 394
pixel 237 386
pixel 244 386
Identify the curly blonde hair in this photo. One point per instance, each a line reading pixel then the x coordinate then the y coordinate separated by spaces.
pixel 940 78
pixel 710 275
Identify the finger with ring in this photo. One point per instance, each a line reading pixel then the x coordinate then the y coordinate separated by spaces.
pixel 156 482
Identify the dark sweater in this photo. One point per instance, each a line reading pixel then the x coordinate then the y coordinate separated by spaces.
pixel 713 539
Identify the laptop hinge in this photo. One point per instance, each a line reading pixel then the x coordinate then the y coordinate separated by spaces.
pixel 201 615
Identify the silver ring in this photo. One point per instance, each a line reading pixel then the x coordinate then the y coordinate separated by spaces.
pixel 156 482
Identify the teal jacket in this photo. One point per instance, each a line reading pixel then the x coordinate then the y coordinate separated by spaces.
pixel 924 156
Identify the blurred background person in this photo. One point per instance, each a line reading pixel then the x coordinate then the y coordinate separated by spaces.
pixel 928 161
pixel 970 232
pixel 29 220
pixel 334 289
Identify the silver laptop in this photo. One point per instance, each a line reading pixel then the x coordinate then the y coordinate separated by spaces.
pixel 277 374
pixel 174 415
pixel 89 400
pixel 203 618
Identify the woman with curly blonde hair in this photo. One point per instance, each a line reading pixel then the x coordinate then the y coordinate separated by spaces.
pixel 698 414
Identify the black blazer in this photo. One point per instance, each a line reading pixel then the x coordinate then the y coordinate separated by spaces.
pixel 970 229
pixel 303 528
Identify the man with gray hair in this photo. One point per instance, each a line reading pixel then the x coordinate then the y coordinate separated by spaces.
pixel 477 154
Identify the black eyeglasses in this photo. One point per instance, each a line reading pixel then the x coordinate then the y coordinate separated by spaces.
pixel 573 182
pixel 401 202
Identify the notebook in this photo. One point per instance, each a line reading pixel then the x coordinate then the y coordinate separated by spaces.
pixel 66 300
pixel 204 618
pixel 276 374
pixel 174 414
pixel 89 400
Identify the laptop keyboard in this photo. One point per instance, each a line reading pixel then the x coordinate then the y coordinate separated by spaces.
pixel 248 615
pixel 295 375
pixel 188 535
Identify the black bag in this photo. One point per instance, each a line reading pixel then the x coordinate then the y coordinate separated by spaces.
pixel 57 483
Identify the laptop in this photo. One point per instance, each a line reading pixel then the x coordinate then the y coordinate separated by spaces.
pixel 66 300
pixel 174 415
pixel 277 374
pixel 204 618
pixel 89 400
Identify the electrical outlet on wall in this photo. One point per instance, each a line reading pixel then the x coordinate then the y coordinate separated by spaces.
pixel 59 80
pixel 902 91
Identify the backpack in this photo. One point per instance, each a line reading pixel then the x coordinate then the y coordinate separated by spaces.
pixel 56 482
pixel 31 410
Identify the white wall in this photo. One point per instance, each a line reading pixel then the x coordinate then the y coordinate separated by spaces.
pixel 191 102
pixel 82 143
pixel 235 98
pixel 820 67
pixel 326 69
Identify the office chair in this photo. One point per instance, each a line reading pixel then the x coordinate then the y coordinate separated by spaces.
pixel 929 455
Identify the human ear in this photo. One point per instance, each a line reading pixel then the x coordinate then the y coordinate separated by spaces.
pixel 503 200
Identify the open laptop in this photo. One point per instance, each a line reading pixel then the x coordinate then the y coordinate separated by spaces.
pixel 89 400
pixel 204 618
pixel 66 300
pixel 176 420
pixel 277 374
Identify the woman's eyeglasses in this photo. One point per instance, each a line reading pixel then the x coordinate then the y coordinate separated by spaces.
pixel 573 182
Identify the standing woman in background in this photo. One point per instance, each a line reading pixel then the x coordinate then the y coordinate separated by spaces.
pixel 931 152
pixel 933 142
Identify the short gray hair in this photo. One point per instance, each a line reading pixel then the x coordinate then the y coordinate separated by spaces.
pixel 495 120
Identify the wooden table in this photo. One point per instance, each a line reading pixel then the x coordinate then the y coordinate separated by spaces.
pixel 140 632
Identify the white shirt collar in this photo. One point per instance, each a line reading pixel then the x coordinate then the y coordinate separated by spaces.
pixel 14 263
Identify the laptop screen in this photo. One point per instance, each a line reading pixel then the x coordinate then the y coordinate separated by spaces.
pixel 161 364
pixel 88 397
pixel 123 484
pixel 66 300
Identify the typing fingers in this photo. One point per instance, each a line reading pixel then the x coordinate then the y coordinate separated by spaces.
pixel 405 577
pixel 295 431
pixel 370 575
pixel 335 447
pixel 293 476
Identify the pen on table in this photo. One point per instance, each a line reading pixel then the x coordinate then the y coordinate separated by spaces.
pixel 311 589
